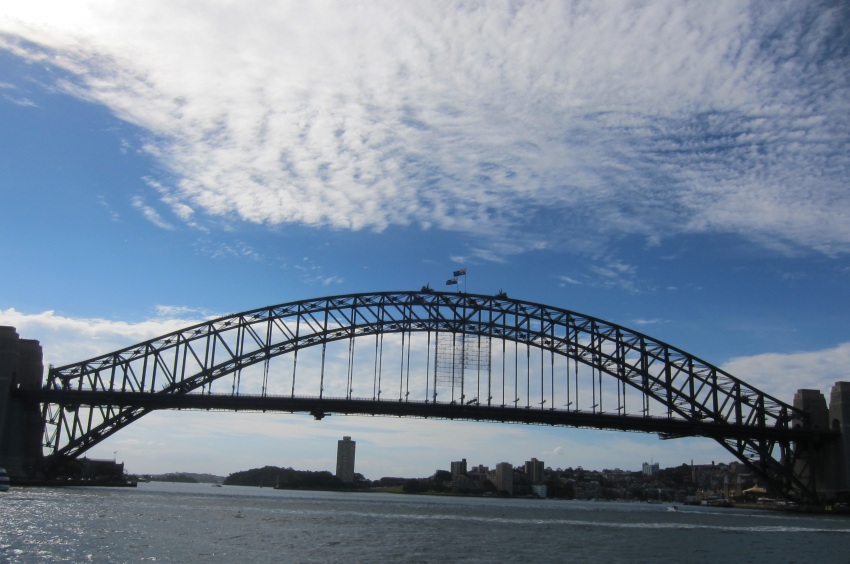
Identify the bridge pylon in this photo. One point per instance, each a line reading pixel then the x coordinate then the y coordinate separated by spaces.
pixel 21 422
pixel 839 420
pixel 823 466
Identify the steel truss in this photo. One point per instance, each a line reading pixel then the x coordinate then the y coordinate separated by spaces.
pixel 85 403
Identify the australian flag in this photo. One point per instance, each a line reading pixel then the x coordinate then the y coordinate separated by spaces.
pixel 451 281
pixel 461 272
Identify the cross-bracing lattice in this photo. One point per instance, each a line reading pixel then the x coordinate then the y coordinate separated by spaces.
pixel 460 355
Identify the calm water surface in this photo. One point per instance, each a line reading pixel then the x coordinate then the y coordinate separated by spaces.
pixel 200 523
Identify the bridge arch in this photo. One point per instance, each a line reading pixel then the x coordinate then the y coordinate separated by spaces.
pixel 607 376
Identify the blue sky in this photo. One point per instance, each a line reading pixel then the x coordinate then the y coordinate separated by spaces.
pixel 679 168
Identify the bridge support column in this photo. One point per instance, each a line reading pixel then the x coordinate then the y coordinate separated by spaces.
pixel 812 465
pixel 21 423
pixel 839 419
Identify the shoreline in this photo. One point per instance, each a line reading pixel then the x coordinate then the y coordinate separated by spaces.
pixel 45 483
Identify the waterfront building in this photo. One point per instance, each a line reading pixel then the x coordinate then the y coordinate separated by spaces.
pixel 504 481
pixel 91 469
pixel 345 459
pixel 458 468
pixel 540 490
pixel 650 469
pixel 534 471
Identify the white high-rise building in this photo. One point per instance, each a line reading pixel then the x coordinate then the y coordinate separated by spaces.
pixel 345 459
pixel 651 469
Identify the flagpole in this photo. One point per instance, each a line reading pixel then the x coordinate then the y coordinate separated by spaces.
pixel 454 280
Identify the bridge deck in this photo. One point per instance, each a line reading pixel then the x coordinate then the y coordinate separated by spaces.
pixel 667 427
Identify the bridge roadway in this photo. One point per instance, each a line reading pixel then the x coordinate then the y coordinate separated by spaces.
pixel 666 427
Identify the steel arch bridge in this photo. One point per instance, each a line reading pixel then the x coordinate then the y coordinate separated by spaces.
pixel 430 354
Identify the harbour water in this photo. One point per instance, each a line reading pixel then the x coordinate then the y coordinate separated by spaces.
pixel 197 523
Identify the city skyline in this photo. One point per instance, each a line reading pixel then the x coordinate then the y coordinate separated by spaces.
pixel 677 168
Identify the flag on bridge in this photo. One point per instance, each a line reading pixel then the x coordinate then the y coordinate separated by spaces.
pixel 461 272
pixel 451 281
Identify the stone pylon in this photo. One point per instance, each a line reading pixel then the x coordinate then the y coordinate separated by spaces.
pixel 839 420
pixel 811 466
pixel 21 424
pixel 826 466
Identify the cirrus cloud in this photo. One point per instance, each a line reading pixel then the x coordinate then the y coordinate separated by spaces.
pixel 579 121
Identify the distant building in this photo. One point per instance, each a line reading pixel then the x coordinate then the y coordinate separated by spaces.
pixel 91 469
pixel 650 469
pixel 504 481
pixel 345 459
pixel 540 490
pixel 458 468
pixel 390 481
pixel 534 471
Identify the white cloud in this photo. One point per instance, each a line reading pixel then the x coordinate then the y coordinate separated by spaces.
pixel 643 321
pixel 180 209
pixel 151 214
pixel 180 312
pixel 313 274
pixel 221 250
pixel 569 280
pixel 649 119
pixel 782 374
pixel 113 215
pixel 613 274
pixel 332 280
pixel 67 339
pixel 24 102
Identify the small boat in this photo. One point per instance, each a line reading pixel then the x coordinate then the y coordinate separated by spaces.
pixel 672 508
pixel 4 480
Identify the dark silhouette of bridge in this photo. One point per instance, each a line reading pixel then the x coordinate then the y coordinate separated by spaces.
pixel 434 355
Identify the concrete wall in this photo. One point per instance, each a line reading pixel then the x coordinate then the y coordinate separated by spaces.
pixel 21 425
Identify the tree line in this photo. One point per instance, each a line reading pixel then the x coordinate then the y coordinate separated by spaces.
pixel 291 479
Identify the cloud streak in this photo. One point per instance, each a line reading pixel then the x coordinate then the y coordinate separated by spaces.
pixel 151 214
pixel 525 124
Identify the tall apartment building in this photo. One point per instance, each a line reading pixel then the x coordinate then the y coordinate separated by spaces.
pixel 505 477
pixel 534 471
pixel 345 459
pixel 458 468
pixel 650 469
